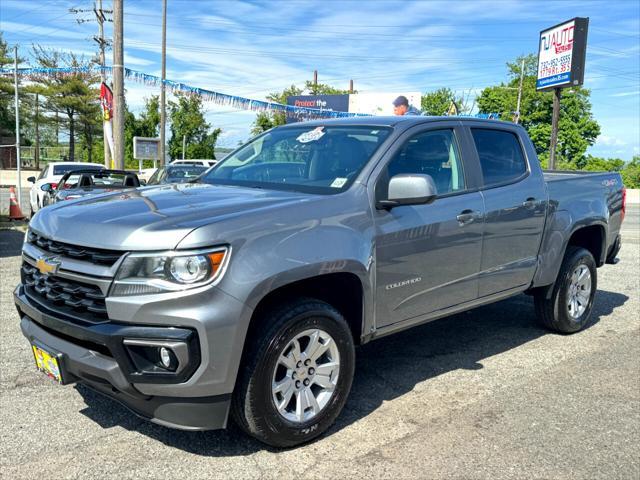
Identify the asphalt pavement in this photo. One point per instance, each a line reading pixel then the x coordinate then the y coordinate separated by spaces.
pixel 484 394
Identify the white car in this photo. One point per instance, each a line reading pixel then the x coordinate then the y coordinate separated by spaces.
pixel 198 161
pixel 52 173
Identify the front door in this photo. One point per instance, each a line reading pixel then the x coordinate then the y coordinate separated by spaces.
pixel 428 256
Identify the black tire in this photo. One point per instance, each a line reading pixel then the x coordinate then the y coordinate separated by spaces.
pixel 253 407
pixel 552 311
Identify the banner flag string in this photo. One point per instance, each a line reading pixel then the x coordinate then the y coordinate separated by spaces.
pixel 217 98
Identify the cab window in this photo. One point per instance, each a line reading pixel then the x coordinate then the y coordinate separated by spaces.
pixel 500 154
pixel 433 153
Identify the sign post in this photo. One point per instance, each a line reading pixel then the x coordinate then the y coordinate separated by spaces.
pixel 146 148
pixel 561 59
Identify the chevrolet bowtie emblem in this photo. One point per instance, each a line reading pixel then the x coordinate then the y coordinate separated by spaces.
pixel 48 265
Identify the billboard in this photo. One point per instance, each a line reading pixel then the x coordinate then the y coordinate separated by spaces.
pixel 561 54
pixel 336 103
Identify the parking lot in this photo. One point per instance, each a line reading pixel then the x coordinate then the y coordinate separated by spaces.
pixel 484 394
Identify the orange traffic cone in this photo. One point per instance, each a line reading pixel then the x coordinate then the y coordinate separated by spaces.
pixel 14 209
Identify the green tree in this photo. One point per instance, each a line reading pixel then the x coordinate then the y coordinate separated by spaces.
pixel 70 95
pixel 577 128
pixel 146 125
pixel 439 101
pixel 631 173
pixel 322 89
pixel 7 122
pixel 267 120
pixel 187 120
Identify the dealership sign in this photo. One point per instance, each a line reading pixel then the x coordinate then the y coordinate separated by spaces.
pixel 561 54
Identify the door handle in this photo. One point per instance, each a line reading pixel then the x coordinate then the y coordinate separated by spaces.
pixel 530 203
pixel 466 217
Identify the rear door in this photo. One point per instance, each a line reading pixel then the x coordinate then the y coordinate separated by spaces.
pixel 428 256
pixel 515 203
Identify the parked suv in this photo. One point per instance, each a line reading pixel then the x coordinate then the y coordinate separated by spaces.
pixel 244 294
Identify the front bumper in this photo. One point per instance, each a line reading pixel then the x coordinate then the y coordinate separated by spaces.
pixel 94 355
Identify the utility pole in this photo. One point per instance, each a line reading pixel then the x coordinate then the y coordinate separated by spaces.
pixel 102 44
pixel 520 92
pixel 554 128
pixel 118 84
pixel 184 144
pixel 163 106
pixel 36 154
pixel 100 17
pixel 351 86
pixel 15 86
pixel 315 82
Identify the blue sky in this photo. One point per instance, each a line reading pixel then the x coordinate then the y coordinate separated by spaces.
pixel 253 48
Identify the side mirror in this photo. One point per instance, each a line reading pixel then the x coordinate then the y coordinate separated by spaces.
pixel 409 189
pixel 31 179
pixel 46 187
pixel 143 182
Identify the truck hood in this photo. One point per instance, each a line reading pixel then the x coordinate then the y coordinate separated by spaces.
pixel 152 218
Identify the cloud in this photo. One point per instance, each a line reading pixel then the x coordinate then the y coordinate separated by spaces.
pixel 626 94
pixel 610 141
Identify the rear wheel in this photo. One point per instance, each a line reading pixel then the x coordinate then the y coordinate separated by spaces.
pixel 296 374
pixel 567 308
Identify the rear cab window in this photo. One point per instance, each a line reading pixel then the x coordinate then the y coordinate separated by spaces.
pixel 500 153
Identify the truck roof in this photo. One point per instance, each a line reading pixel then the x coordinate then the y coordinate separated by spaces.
pixel 390 121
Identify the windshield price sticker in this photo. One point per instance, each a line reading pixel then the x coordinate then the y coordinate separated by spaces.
pixel 311 136
pixel 339 182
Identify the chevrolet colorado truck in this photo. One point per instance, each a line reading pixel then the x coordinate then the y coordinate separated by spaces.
pixel 244 293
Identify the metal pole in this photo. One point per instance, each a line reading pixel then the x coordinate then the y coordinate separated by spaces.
pixel 118 84
pixel 554 128
pixel 36 154
pixel 520 92
pixel 350 86
pixel 163 106
pixel 103 79
pixel 17 106
pixel 184 142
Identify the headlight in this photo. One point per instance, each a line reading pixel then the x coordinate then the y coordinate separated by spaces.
pixel 142 273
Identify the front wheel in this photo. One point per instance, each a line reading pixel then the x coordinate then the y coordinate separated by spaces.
pixel 296 374
pixel 568 307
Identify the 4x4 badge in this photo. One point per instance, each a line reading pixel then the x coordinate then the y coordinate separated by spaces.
pixel 48 265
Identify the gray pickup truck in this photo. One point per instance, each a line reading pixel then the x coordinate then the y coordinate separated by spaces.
pixel 244 293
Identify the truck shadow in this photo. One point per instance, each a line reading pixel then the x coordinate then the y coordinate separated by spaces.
pixel 386 369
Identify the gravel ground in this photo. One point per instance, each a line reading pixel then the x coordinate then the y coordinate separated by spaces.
pixel 484 394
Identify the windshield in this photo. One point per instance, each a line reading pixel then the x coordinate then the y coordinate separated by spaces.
pixel 322 160
pixel 176 174
pixel 62 169
pixel 94 180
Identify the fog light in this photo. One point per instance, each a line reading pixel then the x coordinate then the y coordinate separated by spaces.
pixel 165 357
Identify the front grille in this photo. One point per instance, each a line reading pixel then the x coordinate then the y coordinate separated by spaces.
pixel 93 255
pixel 65 296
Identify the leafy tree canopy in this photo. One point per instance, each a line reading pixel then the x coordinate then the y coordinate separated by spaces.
pixel 577 128
pixel 439 101
pixel 187 120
